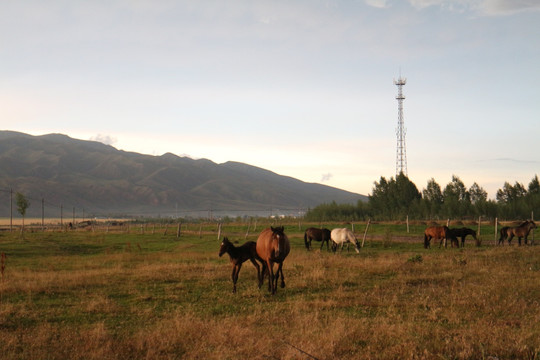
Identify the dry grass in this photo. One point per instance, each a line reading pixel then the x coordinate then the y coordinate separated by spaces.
pixel 386 303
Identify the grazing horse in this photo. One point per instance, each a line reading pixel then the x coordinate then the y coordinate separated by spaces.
pixel 322 235
pixel 238 255
pixel 521 231
pixel 342 236
pixel 439 233
pixel 273 247
pixel 462 233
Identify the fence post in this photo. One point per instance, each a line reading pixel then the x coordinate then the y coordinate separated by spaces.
pixel 42 214
pixel 479 226
pixel 10 210
pixel 365 232
pixel 219 232
pixel 495 236
pixel 407 224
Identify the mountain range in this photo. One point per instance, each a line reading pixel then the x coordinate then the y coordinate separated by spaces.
pixel 66 173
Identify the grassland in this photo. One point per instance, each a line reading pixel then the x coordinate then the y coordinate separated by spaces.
pixel 146 294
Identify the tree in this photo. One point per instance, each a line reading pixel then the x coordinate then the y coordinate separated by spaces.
pixel 433 198
pixel 395 198
pixel 477 194
pixel 22 205
pixel 511 201
pixel 456 198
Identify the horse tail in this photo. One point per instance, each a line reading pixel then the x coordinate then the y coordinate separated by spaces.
pixel 426 241
pixel 305 240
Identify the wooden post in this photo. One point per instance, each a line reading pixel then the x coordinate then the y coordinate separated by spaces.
pixel 42 214
pixel 10 210
pixel 532 237
pixel 365 232
pixel 479 227
pixel 247 231
pixel 407 224
pixel 447 222
pixel 178 230
pixel 495 236
pixel 219 231
pixel 200 231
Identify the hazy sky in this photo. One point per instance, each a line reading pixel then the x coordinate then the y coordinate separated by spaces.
pixel 302 88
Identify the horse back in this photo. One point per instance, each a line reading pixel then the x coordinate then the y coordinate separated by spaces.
pixel 436 231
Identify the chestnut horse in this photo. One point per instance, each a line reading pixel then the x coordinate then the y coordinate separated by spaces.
pixel 439 232
pixel 463 232
pixel 521 231
pixel 321 235
pixel 238 255
pixel 273 247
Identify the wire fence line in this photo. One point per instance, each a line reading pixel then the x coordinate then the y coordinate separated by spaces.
pixel 43 212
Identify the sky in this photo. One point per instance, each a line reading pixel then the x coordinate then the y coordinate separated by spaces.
pixel 304 88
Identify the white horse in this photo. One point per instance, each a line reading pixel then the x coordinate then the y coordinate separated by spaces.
pixel 342 236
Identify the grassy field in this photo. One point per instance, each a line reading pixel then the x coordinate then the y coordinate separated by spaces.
pixel 146 294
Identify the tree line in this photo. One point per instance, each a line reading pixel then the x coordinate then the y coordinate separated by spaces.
pixel 398 198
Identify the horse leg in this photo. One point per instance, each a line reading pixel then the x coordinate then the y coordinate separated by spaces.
pixel 263 274
pixel 254 262
pixel 235 271
pixel 270 269
pixel 510 238
pixel 280 270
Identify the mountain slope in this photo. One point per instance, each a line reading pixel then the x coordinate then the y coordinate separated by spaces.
pixel 104 180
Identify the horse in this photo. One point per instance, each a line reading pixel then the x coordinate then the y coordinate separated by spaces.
pixel 342 236
pixel 273 246
pixel 238 255
pixel 521 231
pixel 321 235
pixel 439 232
pixel 462 233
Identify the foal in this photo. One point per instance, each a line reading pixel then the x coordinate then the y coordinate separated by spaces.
pixel 238 255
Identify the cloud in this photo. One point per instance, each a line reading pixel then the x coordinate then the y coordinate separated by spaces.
pixel 326 177
pixel 381 4
pixel 505 7
pixel 481 7
pixel 105 139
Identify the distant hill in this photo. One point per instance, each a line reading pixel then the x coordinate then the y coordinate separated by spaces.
pixel 104 181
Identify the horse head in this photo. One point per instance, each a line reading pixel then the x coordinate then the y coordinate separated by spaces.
pixel 276 242
pixel 225 244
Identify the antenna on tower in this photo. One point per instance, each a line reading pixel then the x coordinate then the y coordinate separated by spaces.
pixel 401 151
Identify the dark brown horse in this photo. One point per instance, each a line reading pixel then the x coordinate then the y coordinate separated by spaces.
pixel 273 247
pixel 462 233
pixel 238 255
pixel 521 231
pixel 322 235
pixel 439 233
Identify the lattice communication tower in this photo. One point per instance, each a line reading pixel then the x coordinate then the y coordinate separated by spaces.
pixel 401 153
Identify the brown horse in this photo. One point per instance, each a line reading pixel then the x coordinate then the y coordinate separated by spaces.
pixel 322 235
pixel 238 255
pixel 462 233
pixel 521 231
pixel 439 232
pixel 273 247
